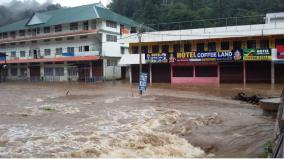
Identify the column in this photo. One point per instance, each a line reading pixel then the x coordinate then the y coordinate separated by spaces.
pixel 244 73
pixel 8 71
pixel 91 70
pixel 28 71
pixel 41 71
pixel 130 74
pixel 66 77
pixel 172 74
pixel 150 74
pixel 272 73
pixel 219 73
pixel 18 71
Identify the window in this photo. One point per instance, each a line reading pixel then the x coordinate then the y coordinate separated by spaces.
pixel 37 30
pixel 237 45
pixel 111 38
pixel 177 48
pixel 187 47
pixel 47 52
pixel 58 39
pixel 22 33
pixel 48 71
pixel 72 71
pixel 225 45
pixel 73 26
pixel 13 44
pixel 70 49
pixel 46 40
pixel 111 24
pixel 155 48
pixel 58 28
pixel 94 24
pixel 86 25
pixel 70 38
pixel 264 44
pixel 13 34
pixel 134 50
pixel 59 71
pixel 58 51
pixel 22 43
pixel 251 44
pixel 14 72
pixel 122 50
pixel 46 29
pixel 165 48
pixel 22 53
pixel 144 49
pixel 5 35
pixel 83 37
pixel 13 54
pixel 84 48
pixel 34 42
pixel 211 46
pixel 200 47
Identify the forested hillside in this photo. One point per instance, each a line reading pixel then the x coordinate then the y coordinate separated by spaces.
pixel 157 11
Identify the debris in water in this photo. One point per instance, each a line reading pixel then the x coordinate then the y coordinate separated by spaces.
pixel 255 99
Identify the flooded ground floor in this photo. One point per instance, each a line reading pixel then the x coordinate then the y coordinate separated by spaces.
pixel 111 120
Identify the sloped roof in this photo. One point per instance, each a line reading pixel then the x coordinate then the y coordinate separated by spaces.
pixel 69 15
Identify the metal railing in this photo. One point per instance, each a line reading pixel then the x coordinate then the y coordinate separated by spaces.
pixel 207 23
pixel 278 150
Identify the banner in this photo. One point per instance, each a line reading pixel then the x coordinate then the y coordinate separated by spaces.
pixel 157 58
pixel 143 81
pixel 234 55
pixel 257 55
pixel 280 52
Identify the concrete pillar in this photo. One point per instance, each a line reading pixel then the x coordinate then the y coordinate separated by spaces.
pixel 42 71
pixel 172 73
pixel 28 71
pixel 219 73
pixel 150 73
pixel 18 71
pixel 9 71
pixel 272 73
pixel 66 71
pixel 91 69
pixel 130 74
pixel 244 73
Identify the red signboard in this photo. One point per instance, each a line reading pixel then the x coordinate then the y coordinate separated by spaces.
pixel 280 52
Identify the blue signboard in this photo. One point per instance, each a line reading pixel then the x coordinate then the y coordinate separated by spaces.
pixel 157 58
pixel 143 81
pixel 68 54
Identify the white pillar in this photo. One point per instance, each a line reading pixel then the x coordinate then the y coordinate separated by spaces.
pixel 66 71
pixel 150 74
pixel 272 73
pixel 18 71
pixel 130 74
pixel 28 71
pixel 41 71
pixel 91 69
pixel 9 71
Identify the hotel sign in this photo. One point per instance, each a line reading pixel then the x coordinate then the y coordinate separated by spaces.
pixel 156 58
pixel 280 52
pixel 193 56
pixel 257 55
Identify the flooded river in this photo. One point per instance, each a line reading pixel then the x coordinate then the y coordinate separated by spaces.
pixel 112 120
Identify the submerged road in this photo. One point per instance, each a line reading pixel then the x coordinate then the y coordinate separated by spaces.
pixel 112 120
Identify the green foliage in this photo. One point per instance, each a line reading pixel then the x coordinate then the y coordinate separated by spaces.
pixel 157 11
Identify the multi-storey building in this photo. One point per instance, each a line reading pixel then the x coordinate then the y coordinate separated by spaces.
pixel 241 54
pixel 77 43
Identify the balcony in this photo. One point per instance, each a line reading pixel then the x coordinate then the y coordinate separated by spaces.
pixel 43 36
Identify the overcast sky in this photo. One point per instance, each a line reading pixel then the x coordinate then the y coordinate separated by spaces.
pixel 67 3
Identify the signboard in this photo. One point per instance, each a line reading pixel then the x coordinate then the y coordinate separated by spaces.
pixel 156 58
pixel 143 81
pixel 280 52
pixel 257 55
pixel 193 56
pixel 68 54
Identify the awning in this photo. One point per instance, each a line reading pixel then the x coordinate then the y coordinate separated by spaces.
pixel 131 59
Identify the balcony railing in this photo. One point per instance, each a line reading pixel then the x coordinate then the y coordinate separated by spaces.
pixel 46 36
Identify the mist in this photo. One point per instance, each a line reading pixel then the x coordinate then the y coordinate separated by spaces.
pixel 17 10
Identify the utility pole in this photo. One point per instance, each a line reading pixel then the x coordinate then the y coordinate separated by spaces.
pixel 140 54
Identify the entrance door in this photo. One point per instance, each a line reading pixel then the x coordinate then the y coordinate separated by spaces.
pixel 84 72
pixel 35 73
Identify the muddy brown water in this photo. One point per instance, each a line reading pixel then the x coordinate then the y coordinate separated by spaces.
pixel 112 120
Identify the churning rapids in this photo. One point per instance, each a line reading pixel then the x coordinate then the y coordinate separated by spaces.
pixel 112 120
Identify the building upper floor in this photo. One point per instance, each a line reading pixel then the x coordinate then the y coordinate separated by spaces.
pixel 88 19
